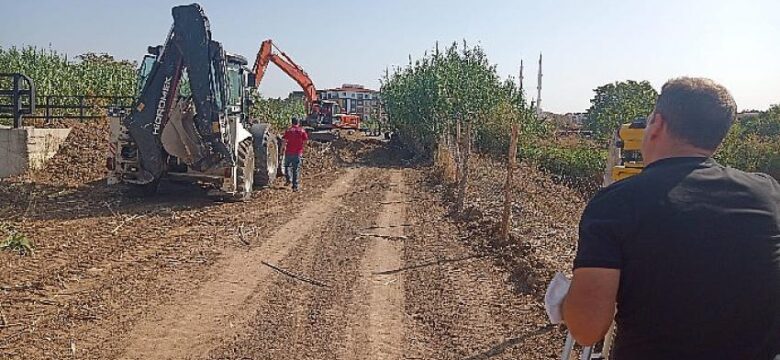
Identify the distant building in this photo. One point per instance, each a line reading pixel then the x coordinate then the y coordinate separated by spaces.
pixel 297 94
pixel 354 99
pixel 577 119
pixel 748 114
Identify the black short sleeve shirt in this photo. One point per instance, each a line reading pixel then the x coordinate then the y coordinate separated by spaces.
pixel 698 247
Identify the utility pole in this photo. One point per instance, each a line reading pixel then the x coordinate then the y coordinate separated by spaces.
pixel 539 89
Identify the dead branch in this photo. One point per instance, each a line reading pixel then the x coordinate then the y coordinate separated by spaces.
pixel 429 263
pixel 513 341
pixel 388 237
pixel 295 276
pixel 125 221
pixel 241 235
pixel 386 227
pixel 108 206
pixel 395 202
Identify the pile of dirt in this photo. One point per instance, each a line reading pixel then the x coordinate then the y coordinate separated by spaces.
pixel 80 160
pixel 371 151
pixel 545 217
pixel 318 158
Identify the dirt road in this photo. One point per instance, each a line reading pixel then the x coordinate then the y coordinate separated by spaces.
pixel 363 264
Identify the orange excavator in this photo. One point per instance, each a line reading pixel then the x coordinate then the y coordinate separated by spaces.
pixel 322 115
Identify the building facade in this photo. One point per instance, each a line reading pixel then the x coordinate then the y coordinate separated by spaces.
pixel 354 99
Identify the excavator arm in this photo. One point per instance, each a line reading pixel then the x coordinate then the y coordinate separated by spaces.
pixel 289 67
pixel 188 46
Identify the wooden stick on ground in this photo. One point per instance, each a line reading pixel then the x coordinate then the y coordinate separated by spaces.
pixel 295 276
pixel 395 202
pixel 386 227
pixel 431 263
pixel 241 235
pixel 125 221
pixel 388 237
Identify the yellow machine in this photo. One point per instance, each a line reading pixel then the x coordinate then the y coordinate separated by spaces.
pixel 628 144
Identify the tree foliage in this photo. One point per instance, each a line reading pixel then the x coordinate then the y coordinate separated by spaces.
pixel 618 103
pixel 277 112
pixel 765 124
pixel 427 97
pixel 753 143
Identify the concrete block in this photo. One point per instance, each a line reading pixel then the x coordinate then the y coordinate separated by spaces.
pixel 28 148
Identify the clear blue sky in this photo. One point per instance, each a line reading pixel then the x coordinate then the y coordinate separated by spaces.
pixel 585 43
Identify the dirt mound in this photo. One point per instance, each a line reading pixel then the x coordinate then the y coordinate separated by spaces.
pixel 81 159
pixel 318 158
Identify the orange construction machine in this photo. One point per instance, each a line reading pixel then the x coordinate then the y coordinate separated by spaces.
pixel 321 114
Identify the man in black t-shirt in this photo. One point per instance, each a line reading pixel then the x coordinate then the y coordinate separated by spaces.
pixel 688 250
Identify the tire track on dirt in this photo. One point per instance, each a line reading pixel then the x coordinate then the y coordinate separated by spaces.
pixel 296 320
pixel 91 299
pixel 377 316
pixel 190 325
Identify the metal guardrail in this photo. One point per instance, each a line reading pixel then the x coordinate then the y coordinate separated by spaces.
pixel 20 102
pixel 22 89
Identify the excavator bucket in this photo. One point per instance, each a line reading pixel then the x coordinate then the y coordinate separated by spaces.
pixel 323 135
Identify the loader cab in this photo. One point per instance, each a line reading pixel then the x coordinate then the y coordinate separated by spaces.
pixel 329 110
pixel 238 84
pixel 144 70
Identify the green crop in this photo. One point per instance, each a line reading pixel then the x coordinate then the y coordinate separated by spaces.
pixel 54 74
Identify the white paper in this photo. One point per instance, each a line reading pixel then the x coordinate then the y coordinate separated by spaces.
pixel 553 299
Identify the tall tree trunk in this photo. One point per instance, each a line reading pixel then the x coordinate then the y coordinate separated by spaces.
pixel 458 143
pixel 506 220
pixel 464 175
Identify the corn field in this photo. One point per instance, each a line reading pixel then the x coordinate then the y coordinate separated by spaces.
pixel 58 78
pixel 54 74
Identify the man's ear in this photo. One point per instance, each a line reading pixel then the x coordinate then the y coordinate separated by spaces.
pixel 657 126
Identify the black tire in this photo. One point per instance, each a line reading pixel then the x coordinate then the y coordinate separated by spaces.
pixel 245 168
pixel 266 152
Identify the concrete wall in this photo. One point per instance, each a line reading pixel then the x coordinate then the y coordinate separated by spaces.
pixel 28 148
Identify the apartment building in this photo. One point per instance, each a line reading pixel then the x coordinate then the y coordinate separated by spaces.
pixel 354 99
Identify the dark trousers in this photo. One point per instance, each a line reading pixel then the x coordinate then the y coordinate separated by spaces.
pixel 292 169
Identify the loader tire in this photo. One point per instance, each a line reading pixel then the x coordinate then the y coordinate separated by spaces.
pixel 266 152
pixel 245 168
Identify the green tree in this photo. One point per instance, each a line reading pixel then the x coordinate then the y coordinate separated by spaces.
pixel 765 124
pixel 276 111
pixel 425 98
pixel 618 103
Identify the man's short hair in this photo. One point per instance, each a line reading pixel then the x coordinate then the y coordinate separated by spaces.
pixel 698 111
pixel 295 121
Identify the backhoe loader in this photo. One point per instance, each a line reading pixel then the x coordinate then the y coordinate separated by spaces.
pixel 191 120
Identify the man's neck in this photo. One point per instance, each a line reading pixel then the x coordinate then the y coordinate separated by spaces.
pixel 682 151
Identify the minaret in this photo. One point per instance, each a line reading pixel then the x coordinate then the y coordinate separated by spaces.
pixel 539 89
pixel 521 75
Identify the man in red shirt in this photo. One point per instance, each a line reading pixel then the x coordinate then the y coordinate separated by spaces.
pixel 294 139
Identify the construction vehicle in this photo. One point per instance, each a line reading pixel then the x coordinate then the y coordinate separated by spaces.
pixel 625 158
pixel 627 150
pixel 322 116
pixel 191 120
